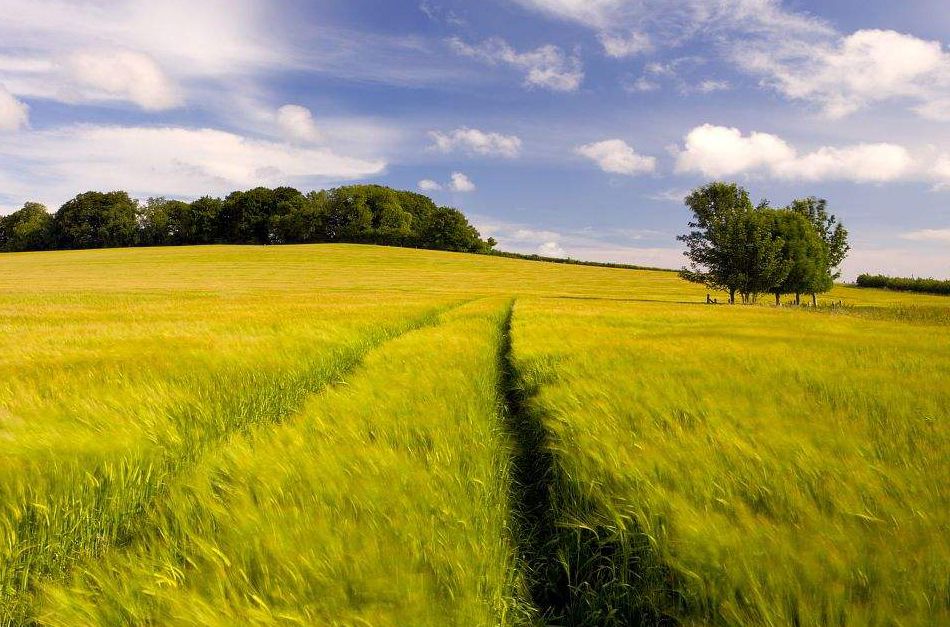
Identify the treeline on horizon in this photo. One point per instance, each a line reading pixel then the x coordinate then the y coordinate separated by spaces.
pixel 370 214
pixel 905 284
pixel 741 248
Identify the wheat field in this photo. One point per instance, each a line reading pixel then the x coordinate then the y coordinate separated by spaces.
pixel 359 435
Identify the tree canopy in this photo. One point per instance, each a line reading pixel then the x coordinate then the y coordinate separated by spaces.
pixel 749 250
pixel 355 213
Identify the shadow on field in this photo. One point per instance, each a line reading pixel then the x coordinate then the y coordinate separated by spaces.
pixel 577 573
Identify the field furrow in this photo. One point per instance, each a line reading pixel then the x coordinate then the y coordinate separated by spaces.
pixel 383 501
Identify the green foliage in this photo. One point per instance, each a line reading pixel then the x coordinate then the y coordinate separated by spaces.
pixel 355 213
pixel 738 248
pixel 803 250
pixel 97 220
pixel 30 228
pixel 913 284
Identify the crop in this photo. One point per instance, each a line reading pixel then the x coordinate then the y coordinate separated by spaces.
pixel 758 467
pixel 342 434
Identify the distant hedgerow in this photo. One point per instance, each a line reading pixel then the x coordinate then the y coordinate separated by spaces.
pixel 902 284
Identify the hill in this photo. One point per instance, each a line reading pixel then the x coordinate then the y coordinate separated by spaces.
pixel 356 434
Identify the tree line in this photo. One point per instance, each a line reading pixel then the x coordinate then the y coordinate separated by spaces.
pixel 901 284
pixel 750 250
pixel 370 214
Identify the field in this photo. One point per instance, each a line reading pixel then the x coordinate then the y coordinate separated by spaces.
pixel 358 435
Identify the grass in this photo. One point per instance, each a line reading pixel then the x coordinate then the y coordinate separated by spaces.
pixel 343 434
pixel 762 467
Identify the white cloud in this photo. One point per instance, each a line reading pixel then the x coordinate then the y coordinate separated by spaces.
pixel 14 114
pixel 800 56
pixel 940 172
pixel 717 151
pixel 547 67
pixel 428 185
pixel 296 124
pixel 855 71
pixel 928 235
pixel 617 157
pixel 461 183
pixel 478 142
pixel 119 75
pixel 709 86
pixel 551 249
pixel 640 85
pixel 587 244
pixel 170 161
pixel 676 19
pixel 626 45
pixel 670 195
pixel 138 51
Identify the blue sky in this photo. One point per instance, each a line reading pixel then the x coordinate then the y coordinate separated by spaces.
pixel 565 127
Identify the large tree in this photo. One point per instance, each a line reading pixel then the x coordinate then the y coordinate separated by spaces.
pixel 834 239
pixel 803 251
pixel 97 220
pixel 716 244
pixel 30 228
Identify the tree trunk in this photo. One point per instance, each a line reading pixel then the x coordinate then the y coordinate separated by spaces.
pixel 798 299
pixel 732 297
pixel 777 297
pixel 814 300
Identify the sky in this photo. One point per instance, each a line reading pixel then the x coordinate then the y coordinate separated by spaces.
pixel 560 127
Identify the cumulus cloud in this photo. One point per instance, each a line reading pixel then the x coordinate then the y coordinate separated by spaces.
pixel 855 71
pixel 617 157
pixel 428 185
pixel 119 75
pixel 474 141
pixel 928 235
pixel 798 55
pixel 13 113
pixel 625 45
pixel 547 67
pixel 722 151
pixel 461 183
pixel 296 124
pixel 170 161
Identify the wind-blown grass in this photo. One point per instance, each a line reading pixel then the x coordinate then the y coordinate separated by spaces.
pixel 312 434
pixel 780 467
pixel 383 502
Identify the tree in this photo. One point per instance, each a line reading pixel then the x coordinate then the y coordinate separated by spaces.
pixel 450 230
pixel 347 216
pixel 758 263
pixel 716 244
pixel 356 213
pixel 204 221
pixel 29 228
pixel 834 238
pixel 97 220
pixel 802 249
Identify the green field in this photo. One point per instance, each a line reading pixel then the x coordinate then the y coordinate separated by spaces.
pixel 359 435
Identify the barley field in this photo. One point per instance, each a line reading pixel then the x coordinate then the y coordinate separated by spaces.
pixel 359 435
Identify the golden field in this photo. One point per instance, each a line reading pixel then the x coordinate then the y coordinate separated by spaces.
pixel 343 434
